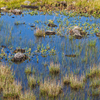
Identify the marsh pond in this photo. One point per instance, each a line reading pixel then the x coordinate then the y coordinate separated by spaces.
pixel 54 55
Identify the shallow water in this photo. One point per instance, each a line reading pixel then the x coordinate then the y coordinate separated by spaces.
pixel 22 36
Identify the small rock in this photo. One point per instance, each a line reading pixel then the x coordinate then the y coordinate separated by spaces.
pixel 4 8
pixel 49 32
pixel 32 7
pixel 16 11
pixel 19 50
pixel 77 32
pixel 32 26
pixel 71 7
pixel 97 34
pixel 63 3
pixel 72 55
pixel 19 57
pixel 2 14
pixel 52 25
pixel 27 2
pixel 3 46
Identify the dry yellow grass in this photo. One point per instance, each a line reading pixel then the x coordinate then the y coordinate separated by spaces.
pixel 27 95
pixel 74 81
pixel 54 68
pixel 50 88
pixel 11 88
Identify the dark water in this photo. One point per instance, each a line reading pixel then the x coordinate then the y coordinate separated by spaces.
pixel 22 36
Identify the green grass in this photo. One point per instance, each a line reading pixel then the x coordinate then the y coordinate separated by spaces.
pixel 83 6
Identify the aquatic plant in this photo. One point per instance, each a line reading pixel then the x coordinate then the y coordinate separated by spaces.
pixel 74 81
pixel 93 72
pixel 92 43
pixel 12 90
pixel 31 81
pixel 50 88
pixel 27 95
pixel 66 80
pixel 39 33
pixel 28 70
pixel 95 83
pixel 54 68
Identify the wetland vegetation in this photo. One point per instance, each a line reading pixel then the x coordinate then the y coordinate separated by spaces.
pixel 49 50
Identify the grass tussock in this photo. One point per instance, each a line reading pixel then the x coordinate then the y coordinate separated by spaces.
pixel 27 95
pixel 11 89
pixel 39 33
pixel 95 83
pixel 50 88
pixel 28 70
pixel 93 72
pixel 96 92
pixel 31 81
pixel 74 81
pixel 54 68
